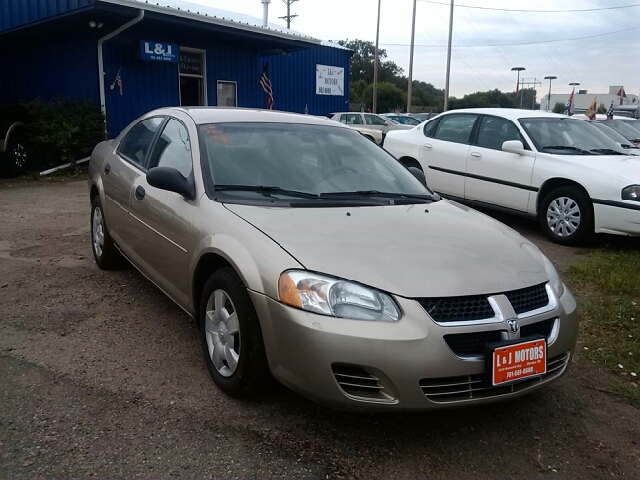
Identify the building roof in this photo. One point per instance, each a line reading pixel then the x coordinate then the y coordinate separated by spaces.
pixel 221 17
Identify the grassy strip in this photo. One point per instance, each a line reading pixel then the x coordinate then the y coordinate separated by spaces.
pixel 608 287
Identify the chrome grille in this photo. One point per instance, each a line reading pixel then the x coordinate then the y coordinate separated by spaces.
pixel 471 344
pixel 528 299
pixel 543 328
pixel 470 387
pixel 456 309
pixel 357 382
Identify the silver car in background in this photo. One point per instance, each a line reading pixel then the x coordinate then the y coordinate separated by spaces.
pixel 305 251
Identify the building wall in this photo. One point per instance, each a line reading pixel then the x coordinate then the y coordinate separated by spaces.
pixel 52 63
pixel 293 80
pixel 584 100
pixel 16 13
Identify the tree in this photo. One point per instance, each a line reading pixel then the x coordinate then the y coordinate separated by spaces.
pixel 558 107
pixel 361 64
pixel 390 97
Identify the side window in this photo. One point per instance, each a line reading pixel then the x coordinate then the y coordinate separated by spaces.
pixel 494 131
pixel 135 145
pixel 343 118
pixel 455 128
pixel 430 128
pixel 173 148
pixel 374 120
pixel 353 119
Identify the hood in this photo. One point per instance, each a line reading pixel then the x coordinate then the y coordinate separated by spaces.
pixel 424 250
pixel 623 166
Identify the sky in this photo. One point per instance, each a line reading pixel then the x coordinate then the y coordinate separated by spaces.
pixel 596 63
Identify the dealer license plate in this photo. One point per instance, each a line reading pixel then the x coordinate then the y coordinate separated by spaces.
pixel 519 361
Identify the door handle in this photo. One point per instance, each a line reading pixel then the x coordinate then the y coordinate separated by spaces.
pixel 107 169
pixel 140 192
pixel 476 154
pixel 427 146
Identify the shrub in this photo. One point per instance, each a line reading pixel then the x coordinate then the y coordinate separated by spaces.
pixel 62 130
pixel 558 107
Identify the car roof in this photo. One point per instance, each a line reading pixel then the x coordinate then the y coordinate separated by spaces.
pixel 510 113
pixel 203 115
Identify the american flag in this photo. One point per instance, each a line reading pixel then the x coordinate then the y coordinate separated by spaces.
pixel 117 81
pixel 265 83
pixel 610 112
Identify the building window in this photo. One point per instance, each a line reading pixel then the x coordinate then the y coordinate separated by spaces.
pixel 227 94
pixel 193 87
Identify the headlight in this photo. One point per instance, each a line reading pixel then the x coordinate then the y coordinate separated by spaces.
pixel 554 278
pixel 631 192
pixel 338 298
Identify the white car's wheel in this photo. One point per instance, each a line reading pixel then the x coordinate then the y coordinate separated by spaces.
pixel 566 215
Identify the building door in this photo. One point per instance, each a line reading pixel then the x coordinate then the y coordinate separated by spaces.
pixel 193 87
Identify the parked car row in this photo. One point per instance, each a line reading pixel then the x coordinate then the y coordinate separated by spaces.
pixel 305 251
pixel 563 171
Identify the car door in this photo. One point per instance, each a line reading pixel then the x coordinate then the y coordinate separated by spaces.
pixel 119 172
pixel 163 236
pixel 494 176
pixel 377 123
pixel 444 152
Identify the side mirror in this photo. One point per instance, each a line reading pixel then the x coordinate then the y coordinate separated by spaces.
pixel 419 174
pixel 514 146
pixel 170 179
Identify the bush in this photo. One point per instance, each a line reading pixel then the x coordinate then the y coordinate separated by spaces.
pixel 558 107
pixel 62 130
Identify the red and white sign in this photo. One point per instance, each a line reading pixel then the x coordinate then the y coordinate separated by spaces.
pixel 518 361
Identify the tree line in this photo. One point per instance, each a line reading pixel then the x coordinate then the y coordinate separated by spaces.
pixel 393 86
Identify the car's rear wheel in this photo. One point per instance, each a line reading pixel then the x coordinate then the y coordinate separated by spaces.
pixel 231 337
pixel 105 253
pixel 16 157
pixel 566 215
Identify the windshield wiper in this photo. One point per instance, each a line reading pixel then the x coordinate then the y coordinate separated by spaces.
pixel 566 147
pixel 607 151
pixel 264 189
pixel 376 193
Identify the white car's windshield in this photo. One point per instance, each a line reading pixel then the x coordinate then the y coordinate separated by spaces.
pixel 567 136
pixel 282 160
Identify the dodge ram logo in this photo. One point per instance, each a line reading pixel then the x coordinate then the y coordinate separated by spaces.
pixel 513 325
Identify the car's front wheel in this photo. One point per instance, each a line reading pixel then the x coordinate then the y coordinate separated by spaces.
pixel 105 253
pixel 566 215
pixel 231 336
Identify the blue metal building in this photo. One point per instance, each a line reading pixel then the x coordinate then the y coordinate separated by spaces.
pixel 131 56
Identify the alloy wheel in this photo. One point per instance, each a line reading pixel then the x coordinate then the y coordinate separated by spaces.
pixel 222 331
pixel 19 155
pixel 98 231
pixel 563 216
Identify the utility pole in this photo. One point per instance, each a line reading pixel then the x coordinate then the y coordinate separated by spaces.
pixel 550 77
pixel 375 64
pixel 413 36
pixel 530 83
pixel 288 17
pixel 518 69
pixel 446 83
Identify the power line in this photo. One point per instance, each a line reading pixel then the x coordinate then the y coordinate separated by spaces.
pixel 521 43
pixel 534 11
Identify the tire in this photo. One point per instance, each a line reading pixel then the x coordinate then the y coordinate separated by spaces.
pixel 105 253
pixel 16 157
pixel 410 162
pixel 574 228
pixel 233 349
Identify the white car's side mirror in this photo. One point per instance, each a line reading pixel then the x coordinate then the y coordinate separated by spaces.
pixel 514 146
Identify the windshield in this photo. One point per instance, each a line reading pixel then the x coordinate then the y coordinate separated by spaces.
pixel 567 136
pixel 300 161
pixel 613 135
pixel 624 129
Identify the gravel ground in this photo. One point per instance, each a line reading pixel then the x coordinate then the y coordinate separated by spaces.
pixel 102 376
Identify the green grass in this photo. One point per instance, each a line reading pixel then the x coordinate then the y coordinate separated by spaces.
pixel 607 285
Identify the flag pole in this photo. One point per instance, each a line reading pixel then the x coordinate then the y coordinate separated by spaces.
pixel 446 83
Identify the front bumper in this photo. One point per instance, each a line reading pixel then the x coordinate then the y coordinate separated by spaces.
pixel 329 359
pixel 616 219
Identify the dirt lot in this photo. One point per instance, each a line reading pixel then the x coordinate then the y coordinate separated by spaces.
pixel 101 375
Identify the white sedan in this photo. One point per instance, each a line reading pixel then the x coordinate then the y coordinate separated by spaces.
pixel 562 171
